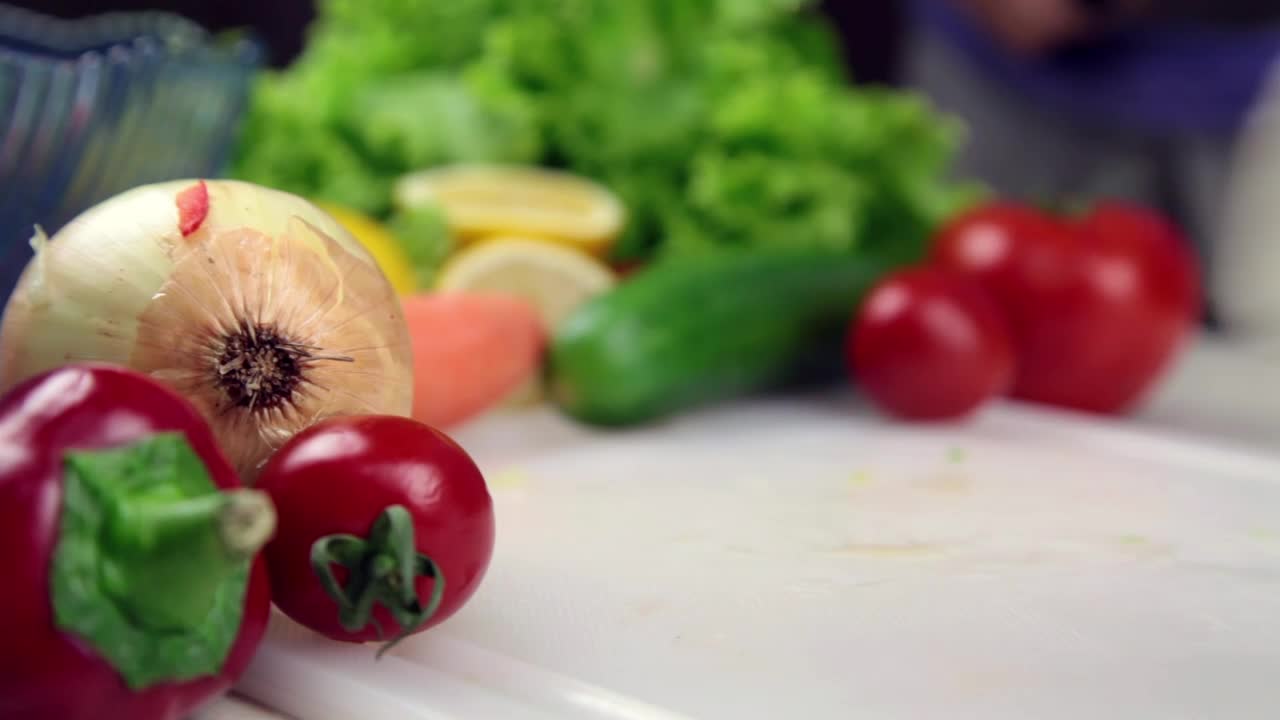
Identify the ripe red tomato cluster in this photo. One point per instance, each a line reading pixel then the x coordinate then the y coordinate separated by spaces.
pixel 1084 312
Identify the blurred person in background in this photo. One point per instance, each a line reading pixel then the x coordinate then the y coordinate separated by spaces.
pixel 1075 99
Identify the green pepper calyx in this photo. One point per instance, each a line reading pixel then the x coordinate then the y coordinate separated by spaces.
pixel 152 561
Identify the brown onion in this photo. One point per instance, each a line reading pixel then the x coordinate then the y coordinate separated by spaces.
pixel 253 303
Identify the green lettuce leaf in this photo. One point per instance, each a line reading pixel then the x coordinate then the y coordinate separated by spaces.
pixel 722 124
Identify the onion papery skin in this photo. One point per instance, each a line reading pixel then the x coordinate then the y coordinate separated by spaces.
pixel 268 316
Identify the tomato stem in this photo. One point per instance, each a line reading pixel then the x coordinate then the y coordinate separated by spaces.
pixel 381 569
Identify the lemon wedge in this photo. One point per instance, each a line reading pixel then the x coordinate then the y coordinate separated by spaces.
pixel 538 203
pixel 381 244
pixel 554 279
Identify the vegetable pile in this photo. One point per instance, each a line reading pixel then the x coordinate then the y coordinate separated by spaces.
pixel 641 133
pixel 254 304
pixel 720 124
pixel 211 384
pixel 207 385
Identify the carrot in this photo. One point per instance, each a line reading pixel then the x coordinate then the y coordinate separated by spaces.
pixel 471 351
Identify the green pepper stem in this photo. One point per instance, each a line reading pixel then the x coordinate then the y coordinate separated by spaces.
pixel 165 556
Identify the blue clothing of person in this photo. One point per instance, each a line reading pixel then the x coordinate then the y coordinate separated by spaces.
pixel 1167 76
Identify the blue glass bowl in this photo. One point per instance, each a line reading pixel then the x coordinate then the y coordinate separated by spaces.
pixel 90 108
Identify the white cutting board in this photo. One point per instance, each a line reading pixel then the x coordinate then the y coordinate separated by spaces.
pixel 808 560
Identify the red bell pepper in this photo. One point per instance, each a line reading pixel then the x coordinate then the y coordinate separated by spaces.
pixel 130 584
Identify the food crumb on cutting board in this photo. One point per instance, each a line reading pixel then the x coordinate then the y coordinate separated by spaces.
pixel 510 479
pixel 860 479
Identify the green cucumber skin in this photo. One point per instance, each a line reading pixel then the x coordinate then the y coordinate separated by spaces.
pixel 682 335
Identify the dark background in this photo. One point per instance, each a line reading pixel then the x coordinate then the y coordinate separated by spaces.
pixel 871 28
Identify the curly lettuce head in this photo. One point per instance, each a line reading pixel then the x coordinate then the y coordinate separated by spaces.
pixel 723 124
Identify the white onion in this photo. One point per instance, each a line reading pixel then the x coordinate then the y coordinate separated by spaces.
pixel 268 317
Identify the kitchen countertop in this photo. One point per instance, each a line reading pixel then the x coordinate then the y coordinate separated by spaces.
pixel 1238 410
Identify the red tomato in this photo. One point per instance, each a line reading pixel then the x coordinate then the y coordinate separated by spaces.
pixel 145 452
pixel 1098 305
pixel 929 345
pixel 373 512
pixel 1167 249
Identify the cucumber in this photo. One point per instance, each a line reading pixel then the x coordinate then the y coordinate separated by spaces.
pixel 694 332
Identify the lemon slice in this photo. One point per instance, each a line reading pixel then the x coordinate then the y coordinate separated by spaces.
pixel 380 243
pixel 538 203
pixel 554 279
